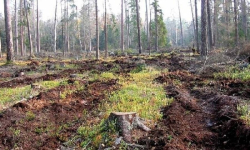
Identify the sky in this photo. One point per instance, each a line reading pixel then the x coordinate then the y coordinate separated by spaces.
pixel 169 7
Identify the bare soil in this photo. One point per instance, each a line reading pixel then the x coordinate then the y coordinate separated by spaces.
pixel 203 114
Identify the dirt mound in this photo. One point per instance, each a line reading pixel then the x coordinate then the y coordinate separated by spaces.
pixel 208 71
pixel 184 125
pixel 178 75
pixel 198 118
pixel 50 120
pixel 5 75
pixel 34 63
pixel 233 87
pixel 17 82
pixel 172 63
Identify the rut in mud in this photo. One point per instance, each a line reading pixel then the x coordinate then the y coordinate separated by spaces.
pixel 200 117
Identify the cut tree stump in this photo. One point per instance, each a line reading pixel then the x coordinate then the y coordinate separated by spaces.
pixel 35 86
pixel 125 122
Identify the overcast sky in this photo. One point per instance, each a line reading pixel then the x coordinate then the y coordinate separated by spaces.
pixel 169 7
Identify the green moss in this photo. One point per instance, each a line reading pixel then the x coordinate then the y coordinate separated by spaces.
pixel 244 113
pixel 12 95
pixel 30 116
pixel 140 95
pixel 234 73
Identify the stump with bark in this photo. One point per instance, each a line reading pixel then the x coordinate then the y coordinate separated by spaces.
pixel 125 122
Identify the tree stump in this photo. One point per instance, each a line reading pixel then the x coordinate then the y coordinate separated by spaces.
pixel 125 122
pixel 35 86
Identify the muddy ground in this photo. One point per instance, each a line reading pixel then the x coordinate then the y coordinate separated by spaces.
pixel 203 114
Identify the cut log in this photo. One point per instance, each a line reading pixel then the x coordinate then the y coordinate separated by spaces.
pixel 125 122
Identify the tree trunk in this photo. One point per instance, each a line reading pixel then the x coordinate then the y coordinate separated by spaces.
pixel 227 5
pixel 79 31
pixel 244 17
pixel 191 5
pixel 210 39
pixel 105 28
pixel 28 25
pixel 55 24
pixel 97 30
pixel 138 26
pixel 176 33
pixel 21 28
pixel 146 3
pixel 38 30
pixel 62 18
pixel 180 24
pixel 203 27
pixel 1 55
pixel 156 26
pixel 197 27
pixel 34 26
pixel 236 23
pixel 67 26
pixel 149 33
pixel 16 29
pixel 90 34
pixel 215 23
pixel 8 31
pixel 122 28
pixel 127 22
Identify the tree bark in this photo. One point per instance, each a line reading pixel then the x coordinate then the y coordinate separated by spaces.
pixel 215 23
pixel 236 23
pixel 227 6
pixel 125 122
pixel 97 30
pixel 90 34
pixel 203 27
pixel 1 55
pixel 180 24
pixel 191 5
pixel 210 39
pixel 55 24
pixel 21 28
pixel 138 27
pixel 149 42
pixel 37 29
pixel 106 34
pixel 244 18
pixel 8 31
pixel 156 26
pixel 79 31
pixel 122 28
pixel 16 29
pixel 197 27
pixel 67 26
pixel 127 22
pixel 147 27
pixel 28 25
pixel 34 26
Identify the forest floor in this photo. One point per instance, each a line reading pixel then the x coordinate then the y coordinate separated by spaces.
pixel 188 104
